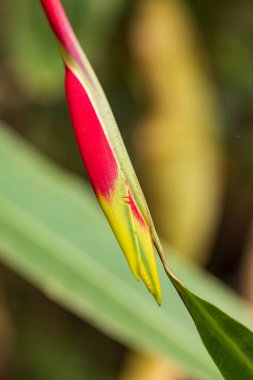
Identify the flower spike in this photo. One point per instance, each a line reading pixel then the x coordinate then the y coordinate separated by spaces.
pixel 104 155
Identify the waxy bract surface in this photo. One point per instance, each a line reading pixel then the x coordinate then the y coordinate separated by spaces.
pixel 104 155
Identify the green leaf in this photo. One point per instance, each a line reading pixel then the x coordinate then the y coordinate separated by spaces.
pixel 53 234
pixel 229 343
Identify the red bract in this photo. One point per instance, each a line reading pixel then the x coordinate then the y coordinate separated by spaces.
pixel 104 155
pixel 95 150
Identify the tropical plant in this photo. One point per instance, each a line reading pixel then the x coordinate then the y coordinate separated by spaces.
pixel 119 194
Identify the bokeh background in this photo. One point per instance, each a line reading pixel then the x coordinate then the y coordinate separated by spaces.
pixel 178 76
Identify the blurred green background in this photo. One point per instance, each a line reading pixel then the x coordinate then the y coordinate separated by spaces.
pixel 178 76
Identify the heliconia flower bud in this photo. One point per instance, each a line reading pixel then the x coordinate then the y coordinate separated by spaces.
pixel 104 155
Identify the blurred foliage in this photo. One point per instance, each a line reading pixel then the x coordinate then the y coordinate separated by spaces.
pixel 178 138
pixel 48 233
pixel 33 57
pixel 32 101
pixel 139 367
pixel 44 336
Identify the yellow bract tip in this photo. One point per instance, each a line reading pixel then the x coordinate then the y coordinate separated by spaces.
pixel 135 240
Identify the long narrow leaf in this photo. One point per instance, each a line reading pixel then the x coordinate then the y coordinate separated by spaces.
pixel 49 224
pixel 48 234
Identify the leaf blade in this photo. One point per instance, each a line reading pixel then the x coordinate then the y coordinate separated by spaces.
pixel 218 330
pixel 35 199
pixel 33 189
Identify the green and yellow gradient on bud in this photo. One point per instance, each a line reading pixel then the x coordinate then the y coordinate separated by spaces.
pixel 104 155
